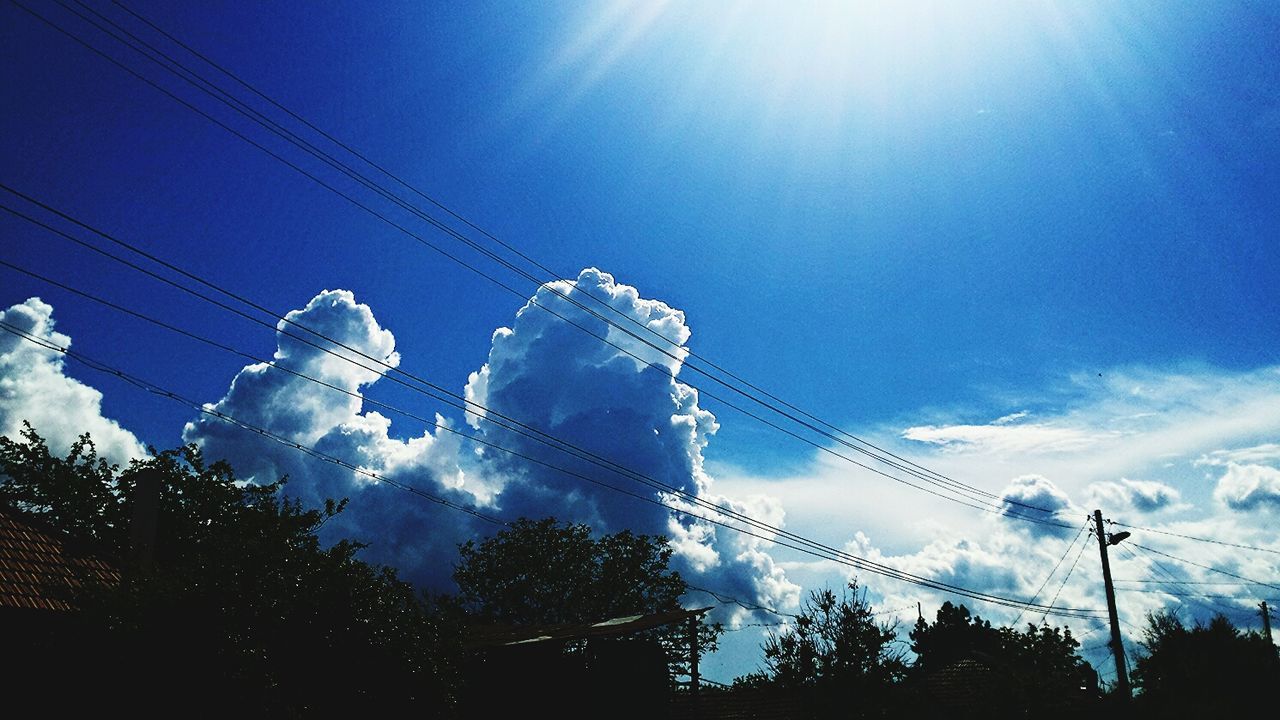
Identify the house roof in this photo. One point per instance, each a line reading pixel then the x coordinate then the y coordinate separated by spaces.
pixel 497 636
pixel 38 572
pixel 960 684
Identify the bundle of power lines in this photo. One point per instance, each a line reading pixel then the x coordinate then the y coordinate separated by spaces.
pixel 96 30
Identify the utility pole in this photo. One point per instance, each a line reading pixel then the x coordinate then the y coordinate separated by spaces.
pixel 695 679
pixel 142 529
pixel 1266 622
pixel 695 650
pixel 1117 647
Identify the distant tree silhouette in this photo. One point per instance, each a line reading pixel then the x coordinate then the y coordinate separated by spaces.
pixel 835 654
pixel 550 572
pixel 1035 671
pixel 244 611
pixel 954 635
pixel 1207 670
pixel 547 572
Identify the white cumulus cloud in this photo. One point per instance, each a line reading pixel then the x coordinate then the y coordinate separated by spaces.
pixel 620 402
pixel 402 530
pixel 619 418
pixel 35 388
pixel 1145 496
pixel 1249 487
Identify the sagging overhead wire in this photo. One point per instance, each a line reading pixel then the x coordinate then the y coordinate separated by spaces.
pixel 1065 578
pixel 550 275
pixel 941 482
pixel 383 369
pixel 1224 543
pixel 1160 567
pixel 1065 552
pixel 771 535
pixel 1205 567
pixel 845 558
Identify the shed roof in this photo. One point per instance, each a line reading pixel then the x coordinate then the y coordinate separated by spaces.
pixel 497 636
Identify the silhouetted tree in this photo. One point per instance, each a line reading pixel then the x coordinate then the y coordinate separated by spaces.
pixel 954 635
pixel 1206 670
pixel 545 571
pixel 548 572
pixel 244 611
pixel 1036 670
pixel 836 654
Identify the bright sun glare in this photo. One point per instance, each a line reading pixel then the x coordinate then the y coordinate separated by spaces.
pixel 817 58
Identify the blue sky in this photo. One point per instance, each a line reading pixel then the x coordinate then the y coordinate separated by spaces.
pixel 911 222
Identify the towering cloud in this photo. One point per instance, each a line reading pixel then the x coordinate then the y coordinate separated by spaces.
pixel 587 429
pixel 34 387
pixel 620 402
pixel 401 529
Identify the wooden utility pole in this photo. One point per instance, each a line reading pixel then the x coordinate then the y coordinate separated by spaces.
pixel 1117 647
pixel 695 679
pixel 142 529
pixel 1266 622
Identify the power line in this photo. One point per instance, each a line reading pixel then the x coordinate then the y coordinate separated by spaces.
pixel 1065 578
pixel 894 611
pixel 1174 580
pixel 724 599
pixel 746 626
pixel 1190 582
pixel 1160 591
pixel 808 546
pixel 550 273
pixel 942 482
pixel 1206 567
pixel 1198 539
pixel 393 373
pixel 1066 551
pixel 841 557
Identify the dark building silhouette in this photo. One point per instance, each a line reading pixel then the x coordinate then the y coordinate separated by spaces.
pixel 48 653
pixel 612 668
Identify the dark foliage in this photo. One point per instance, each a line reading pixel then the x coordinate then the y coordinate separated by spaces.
pixel 539 572
pixel 244 610
pixel 1208 670
pixel 835 655
pixel 1034 671
pixel 546 572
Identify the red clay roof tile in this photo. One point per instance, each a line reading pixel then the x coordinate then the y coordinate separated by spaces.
pixel 37 571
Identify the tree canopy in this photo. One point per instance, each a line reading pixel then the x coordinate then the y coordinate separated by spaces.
pixel 835 654
pixel 244 609
pixel 537 572
pixel 1034 670
pixel 1209 669
pixel 546 572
